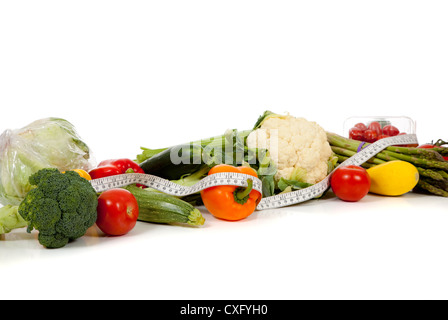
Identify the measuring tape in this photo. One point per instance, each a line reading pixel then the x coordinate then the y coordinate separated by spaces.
pixel 166 186
pixel 240 179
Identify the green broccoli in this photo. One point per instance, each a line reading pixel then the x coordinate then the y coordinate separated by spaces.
pixel 61 207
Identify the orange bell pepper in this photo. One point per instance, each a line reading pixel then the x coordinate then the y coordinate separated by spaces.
pixel 231 202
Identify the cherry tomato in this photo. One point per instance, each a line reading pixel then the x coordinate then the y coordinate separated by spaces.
pixel 390 130
pixel 383 136
pixel 350 183
pixel 375 126
pixel 361 126
pixel 117 212
pixel 370 135
pixel 356 134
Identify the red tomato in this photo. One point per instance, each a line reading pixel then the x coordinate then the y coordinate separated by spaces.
pixel 426 146
pixel 104 171
pixel 356 134
pixel 117 212
pixel 370 135
pixel 361 126
pixel 382 136
pixel 350 183
pixel 390 130
pixel 375 126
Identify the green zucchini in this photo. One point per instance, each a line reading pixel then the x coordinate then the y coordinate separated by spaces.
pixel 187 158
pixel 160 207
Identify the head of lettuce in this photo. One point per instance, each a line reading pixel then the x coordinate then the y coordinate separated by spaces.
pixel 45 143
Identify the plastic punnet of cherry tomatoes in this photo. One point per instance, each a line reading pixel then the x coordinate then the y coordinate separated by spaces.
pixel 361 126
pixel 370 135
pixel 375 126
pixel 117 212
pixel 390 130
pixel 350 183
pixel 356 134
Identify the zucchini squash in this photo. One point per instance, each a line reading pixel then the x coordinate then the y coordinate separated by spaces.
pixel 393 178
pixel 158 207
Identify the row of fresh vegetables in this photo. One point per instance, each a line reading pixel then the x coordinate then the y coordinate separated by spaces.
pixel 46 169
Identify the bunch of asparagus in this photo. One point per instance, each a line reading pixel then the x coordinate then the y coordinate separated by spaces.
pixel 431 165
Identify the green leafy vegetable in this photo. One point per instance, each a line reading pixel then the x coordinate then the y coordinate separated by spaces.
pixel 10 219
pixel 45 143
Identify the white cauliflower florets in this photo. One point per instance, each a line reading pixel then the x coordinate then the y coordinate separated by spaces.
pixel 297 146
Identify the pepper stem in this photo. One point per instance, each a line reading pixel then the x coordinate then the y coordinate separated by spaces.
pixel 241 194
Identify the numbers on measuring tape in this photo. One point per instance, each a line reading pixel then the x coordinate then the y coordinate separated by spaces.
pixel 240 179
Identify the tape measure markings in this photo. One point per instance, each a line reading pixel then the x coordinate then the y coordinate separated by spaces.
pixel 169 187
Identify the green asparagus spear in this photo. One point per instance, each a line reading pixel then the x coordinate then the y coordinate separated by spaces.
pixel 424 184
pixel 386 155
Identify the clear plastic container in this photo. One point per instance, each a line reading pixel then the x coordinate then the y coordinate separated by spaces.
pixel 360 128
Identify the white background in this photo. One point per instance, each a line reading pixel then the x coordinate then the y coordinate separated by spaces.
pixel 157 73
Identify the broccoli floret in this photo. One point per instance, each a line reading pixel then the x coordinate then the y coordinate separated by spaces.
pixel 61 207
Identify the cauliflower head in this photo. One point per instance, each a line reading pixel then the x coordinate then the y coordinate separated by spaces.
pixel 298 147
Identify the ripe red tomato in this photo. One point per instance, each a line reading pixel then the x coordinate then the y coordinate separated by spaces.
pixel 382 136
pixel 370 135
pixel 117 212
pixel 350 183
pixel 375 126
pixel 361 126
pixel 390 130
pixel 356 134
